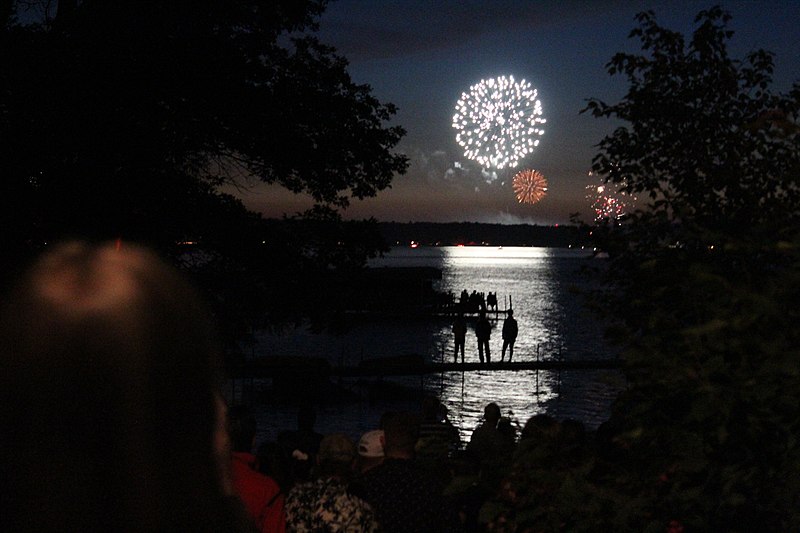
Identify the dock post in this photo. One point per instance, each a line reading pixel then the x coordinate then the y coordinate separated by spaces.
pixel 441 376
pixel 560 358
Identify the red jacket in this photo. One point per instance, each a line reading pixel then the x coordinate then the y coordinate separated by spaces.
pixel 261 495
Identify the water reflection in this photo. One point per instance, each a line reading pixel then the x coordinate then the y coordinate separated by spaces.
pixel 522 278
pixel 543 284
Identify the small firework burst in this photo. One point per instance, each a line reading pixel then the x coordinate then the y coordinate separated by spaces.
pixel 608 200
pixel 530 186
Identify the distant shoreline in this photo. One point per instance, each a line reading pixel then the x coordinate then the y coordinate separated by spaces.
pixel 473 233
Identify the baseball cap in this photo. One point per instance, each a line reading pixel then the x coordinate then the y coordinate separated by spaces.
pixel 371 444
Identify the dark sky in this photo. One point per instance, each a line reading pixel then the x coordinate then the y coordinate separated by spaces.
pixel 421 55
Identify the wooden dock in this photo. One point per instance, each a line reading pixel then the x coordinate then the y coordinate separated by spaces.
pixel 410 367
pixel 438 368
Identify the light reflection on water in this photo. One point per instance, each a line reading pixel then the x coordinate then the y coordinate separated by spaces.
pixel 542 284
pixel 525 277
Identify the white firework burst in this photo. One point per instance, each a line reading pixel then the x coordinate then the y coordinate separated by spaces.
pixel 499 121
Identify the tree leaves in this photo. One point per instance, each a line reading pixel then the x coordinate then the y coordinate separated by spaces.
pixel 122 119
pixel 705 275
pixel 111 94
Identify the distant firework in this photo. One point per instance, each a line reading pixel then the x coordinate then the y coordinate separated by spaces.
pixel 608 200
pixel 530 186
pixel 498 122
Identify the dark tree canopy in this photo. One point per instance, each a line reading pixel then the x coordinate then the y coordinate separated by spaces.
pixel 705 140
pixel 122 118
pixel 704 280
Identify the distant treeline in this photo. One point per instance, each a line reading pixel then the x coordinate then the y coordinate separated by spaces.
pixel 472 233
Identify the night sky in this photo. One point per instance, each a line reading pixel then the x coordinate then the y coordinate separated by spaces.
pixel 421 55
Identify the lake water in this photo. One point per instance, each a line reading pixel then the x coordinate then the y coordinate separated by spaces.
pixel 545 286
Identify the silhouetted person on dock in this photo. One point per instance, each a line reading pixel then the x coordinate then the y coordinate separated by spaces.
pixel 510 331
pixel 476 302
pixel 491 301
pixel 460 334
pixel 483 330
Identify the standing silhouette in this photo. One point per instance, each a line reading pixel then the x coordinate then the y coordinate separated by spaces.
pixel 510 331
pixel 460 334
pixel 483 331
pixel 491 301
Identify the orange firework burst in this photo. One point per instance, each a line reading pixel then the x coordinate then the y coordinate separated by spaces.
pixel 529 186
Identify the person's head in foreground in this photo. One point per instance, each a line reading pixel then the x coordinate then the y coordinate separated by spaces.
pixel 370 450
pixel 109 419
pixel 337 455
pixel 491 413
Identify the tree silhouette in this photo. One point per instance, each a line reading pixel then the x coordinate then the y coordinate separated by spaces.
pixel 704 278
pixel 123 118
pixel 704 137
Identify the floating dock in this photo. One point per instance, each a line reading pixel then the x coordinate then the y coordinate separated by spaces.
pixel 409 367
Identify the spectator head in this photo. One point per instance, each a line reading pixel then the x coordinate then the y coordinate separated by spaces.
pixel 572 436
pixel 401 432
pixel 432 409
pixel 540 426
pixel 491 413
pixel 370 450
pixel 336 456
pixel 112 355
pixel 506 428
pixel 371 444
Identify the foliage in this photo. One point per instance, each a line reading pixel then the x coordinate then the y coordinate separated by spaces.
pixel 706 276
pixel 122 120
pixel 117 97
pixel 706 140
pixel 549 486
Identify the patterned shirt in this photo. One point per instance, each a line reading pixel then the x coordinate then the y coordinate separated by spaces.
pixel 325 505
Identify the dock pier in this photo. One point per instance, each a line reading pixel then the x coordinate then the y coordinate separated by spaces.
pixel 410 366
